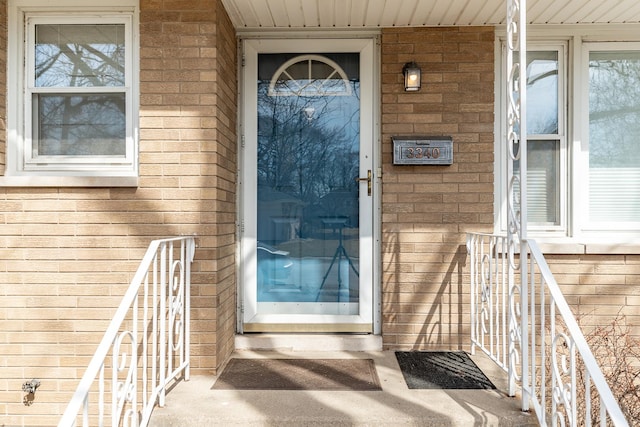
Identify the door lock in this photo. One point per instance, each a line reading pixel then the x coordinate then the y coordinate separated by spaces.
pixel 368 179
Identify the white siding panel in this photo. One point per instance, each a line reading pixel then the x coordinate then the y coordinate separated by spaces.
pixel 342 13
pixel 294 13
pixel 602 9
pixel 491 12
pixel 578 12
pixel 439 12
pixel 537 8
pixel 470 12
pixel 422 13
pixel 263 13
pixel 358 13
pixel 389 13
pixel 453 12
pixel 326 13
pixel 374 12
pixel 546 16
pixel 310 13
pixel 406 12
pixel 401 13
pixel 626 12
pixel 244 13
pixel 568 13
pixel 279 13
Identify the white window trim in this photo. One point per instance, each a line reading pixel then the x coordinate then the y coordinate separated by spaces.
pixel 578 236
pixel 18 172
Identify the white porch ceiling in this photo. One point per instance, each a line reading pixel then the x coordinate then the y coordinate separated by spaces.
pixel 363 14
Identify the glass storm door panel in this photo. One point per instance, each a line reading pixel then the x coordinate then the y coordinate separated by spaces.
pixel 307 262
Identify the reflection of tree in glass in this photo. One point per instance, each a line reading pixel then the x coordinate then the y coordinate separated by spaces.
pixel 79 55
pixel 614 109
pixel 542 93
pixel 81 124
pixel 70 56
pixel 309 153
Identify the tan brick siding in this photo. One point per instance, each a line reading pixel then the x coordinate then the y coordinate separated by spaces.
pixel 68 254
pixel 599 288
pixel 428 209
pixel 188 105
pixel 226 115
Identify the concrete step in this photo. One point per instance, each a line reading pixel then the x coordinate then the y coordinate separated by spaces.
pixel 194 403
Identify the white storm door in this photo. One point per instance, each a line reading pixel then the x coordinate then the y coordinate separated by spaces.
pixel 307 186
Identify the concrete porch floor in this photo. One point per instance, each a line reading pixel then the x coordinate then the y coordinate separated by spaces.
pixel 194 403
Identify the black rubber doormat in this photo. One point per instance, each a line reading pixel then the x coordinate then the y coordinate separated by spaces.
pixel 441 370
pixel 299 374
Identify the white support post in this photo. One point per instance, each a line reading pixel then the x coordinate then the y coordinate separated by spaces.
pixel 164 283
pixel 517 219
pixel 524 246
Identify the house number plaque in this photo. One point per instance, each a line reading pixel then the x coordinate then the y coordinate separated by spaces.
pixel 422 150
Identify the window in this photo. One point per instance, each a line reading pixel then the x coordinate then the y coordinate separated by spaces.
pixel 583 150
pixel 309 75
pixel 75 101
pixel 613 136
pixel 546 143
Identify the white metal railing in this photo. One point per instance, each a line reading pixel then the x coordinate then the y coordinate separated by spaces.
pixel 565 385
pixel 146 345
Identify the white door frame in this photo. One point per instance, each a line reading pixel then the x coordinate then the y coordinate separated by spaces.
pixel 369 318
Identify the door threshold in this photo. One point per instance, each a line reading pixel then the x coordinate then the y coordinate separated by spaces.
pixel 309 342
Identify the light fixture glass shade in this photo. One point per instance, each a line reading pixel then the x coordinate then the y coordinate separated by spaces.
pixel 412 76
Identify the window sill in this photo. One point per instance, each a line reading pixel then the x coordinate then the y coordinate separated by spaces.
pixel 68 181
pixel 572 247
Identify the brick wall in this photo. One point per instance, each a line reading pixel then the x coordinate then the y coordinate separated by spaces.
pixel 68 254
pixel 188 122
pixel 428 209
pixel 599 288
pixel 225 221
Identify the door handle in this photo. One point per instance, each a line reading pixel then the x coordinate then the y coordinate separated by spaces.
pixel 368 179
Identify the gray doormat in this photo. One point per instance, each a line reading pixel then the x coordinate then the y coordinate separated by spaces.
pixel 299 374
pixel 441 370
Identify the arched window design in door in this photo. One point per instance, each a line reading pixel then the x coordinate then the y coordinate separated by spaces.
pixel 310 75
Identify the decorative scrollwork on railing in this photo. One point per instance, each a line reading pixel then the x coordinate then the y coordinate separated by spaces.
pixel 485 295
pixel 514 118
pixel 147 340
pixel 515 334
pixel 563 377
pixel 489 295
pixel 177 306
pixel 124 386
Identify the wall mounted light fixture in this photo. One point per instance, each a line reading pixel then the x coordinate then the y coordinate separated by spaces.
pixel 411 72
